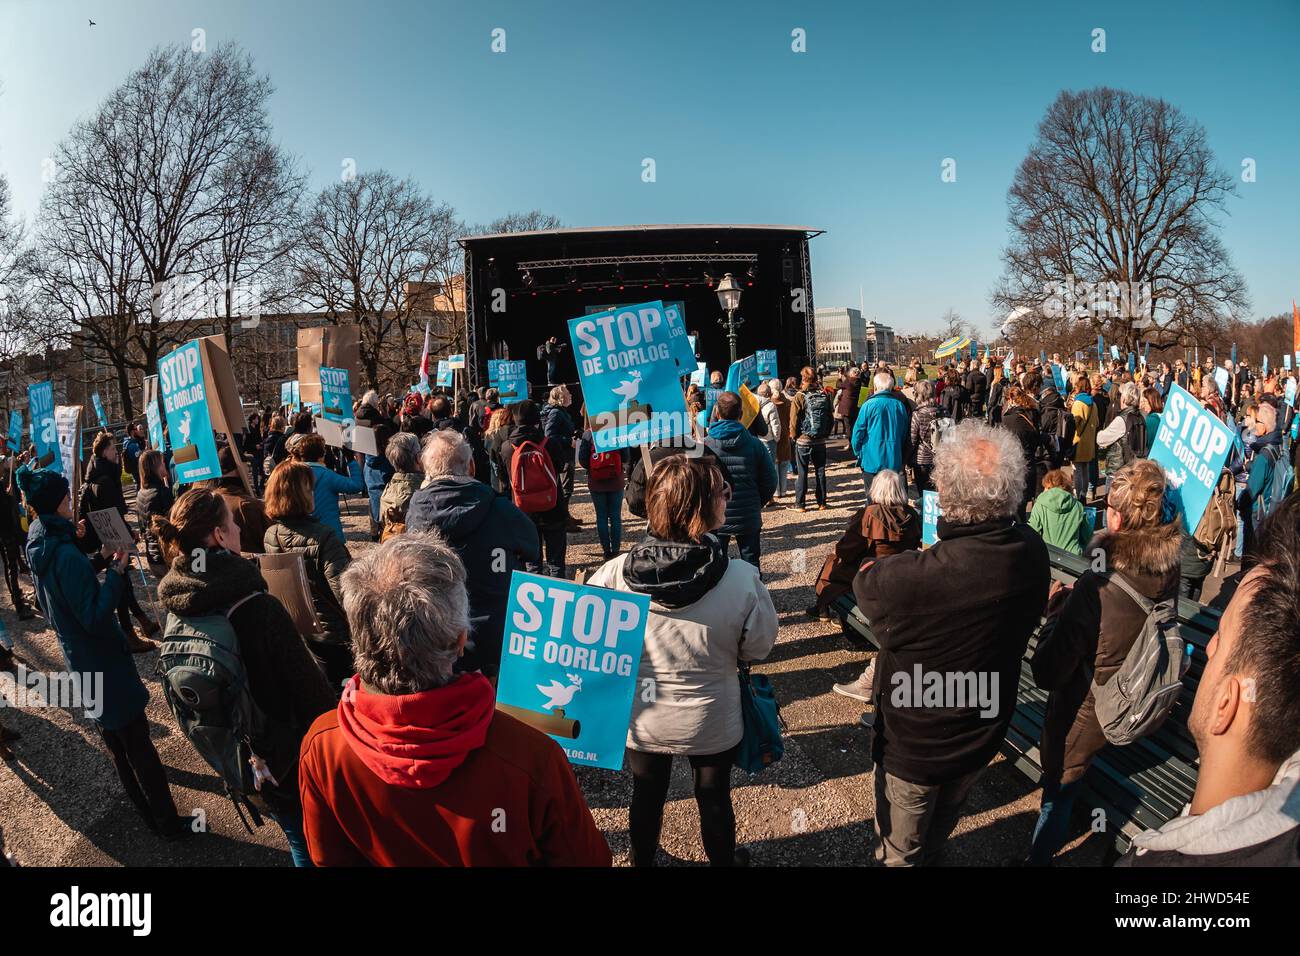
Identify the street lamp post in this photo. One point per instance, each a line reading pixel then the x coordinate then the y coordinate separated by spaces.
pixel 729 298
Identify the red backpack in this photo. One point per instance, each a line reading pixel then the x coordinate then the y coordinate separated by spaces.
pixel 604 466
pixel 533 484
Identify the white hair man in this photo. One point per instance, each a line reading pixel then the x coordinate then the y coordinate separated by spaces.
pixel 490 534
pixel 416 767
pixel 880 434
pixel 953 623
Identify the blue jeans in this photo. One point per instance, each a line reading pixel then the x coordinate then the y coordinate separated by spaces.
pixel 1085 476
pixel 807 456
pixel 748 543
pixel 1053 827
pixel 291 823
pixel 609 519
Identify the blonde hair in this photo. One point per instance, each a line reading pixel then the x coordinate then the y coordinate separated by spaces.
pixel 1137 494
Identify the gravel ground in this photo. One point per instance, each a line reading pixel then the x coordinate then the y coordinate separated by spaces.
pixel 61 804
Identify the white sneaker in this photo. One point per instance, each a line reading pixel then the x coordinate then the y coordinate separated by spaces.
pixel 854 689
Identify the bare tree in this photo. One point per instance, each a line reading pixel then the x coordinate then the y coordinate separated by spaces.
pixel 166 158
pixel 361 244
pixel 530 221
pixel 1112 216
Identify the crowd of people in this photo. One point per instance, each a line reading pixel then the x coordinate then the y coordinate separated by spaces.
pixel 371 737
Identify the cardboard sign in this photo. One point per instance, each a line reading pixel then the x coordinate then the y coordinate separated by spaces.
pixel 445 378
pixel 152 417
pixel 15 437
pixel 629 376
pixel 45 431
pixel 332 346
pixel 509 378
pixel 336 394
pixel 569 662
pixel 67 420
pixel 365 440
pixel 111 529
pixel 99 410
pixel 1191 446
pixel 331 432
pixel 286 580
pixel 186 396
pixel 930 515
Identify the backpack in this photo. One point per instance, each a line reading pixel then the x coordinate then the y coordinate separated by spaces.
pixel 1060 437
pixel 1139 696
pixel 817 420
pixel 533 484
pixel 1218 525
pixel 604 466
pixel 206 685
pixel 1279 482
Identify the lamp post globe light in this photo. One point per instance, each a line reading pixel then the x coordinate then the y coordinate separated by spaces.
pixel 729 298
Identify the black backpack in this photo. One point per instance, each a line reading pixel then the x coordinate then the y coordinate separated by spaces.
pixel 817 420
pixel 1059 435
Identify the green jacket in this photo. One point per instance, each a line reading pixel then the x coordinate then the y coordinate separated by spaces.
pixel 1060 519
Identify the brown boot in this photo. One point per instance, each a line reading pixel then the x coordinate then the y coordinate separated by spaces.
pixel 149 626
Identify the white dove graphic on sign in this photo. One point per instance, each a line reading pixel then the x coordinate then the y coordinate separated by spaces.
pixel 184 426
pixel 560 695
pixel 629 387
pixel 1176 478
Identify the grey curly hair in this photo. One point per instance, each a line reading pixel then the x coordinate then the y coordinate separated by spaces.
pixel 979 472
pixel 407 607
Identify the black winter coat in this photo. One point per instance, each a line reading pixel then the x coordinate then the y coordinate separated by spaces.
pixel 155 498
pixel 634 492
pixel 753 475
pixel 493 538
pixel 965 606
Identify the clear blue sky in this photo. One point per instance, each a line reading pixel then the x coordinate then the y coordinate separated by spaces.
pixel 847 137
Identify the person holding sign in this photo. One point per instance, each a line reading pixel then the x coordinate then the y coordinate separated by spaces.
pixel 103 489
pixel 707 614
pixel 325 557
pixel 416 767
pixel 80 609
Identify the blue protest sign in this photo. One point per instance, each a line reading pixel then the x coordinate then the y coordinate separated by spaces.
pixel 509 378
pixel 45 431
pixel 15 437
pixel 930 515
pixel 1101 345
pixel 456 361
pixel 1042 357
pixel 766 364
pixel 185 396
pixel 1290 395
pixel 1058 377
pixel 683 344
pixel 296 394
pixel 743 371
pixel 152 417
pixel 1264 371
pixel 629 374
pixel 444 378
pixel 336 394
pixel 570 656
pixel 1191 446
pixel 1132 362
pixel 286 393
pixel 1114 352
pixel 700 376
pixel 1221 380
pixel 1090 514
pixel 99 410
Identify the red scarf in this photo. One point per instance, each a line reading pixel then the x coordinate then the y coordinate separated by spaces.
pixel 417 740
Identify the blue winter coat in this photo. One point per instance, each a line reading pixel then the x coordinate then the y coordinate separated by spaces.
pixel 880 434
pixel 83 614
pixel 328 486
pixel 753 474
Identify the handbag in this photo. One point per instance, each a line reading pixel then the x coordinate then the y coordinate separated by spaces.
pixel 762 743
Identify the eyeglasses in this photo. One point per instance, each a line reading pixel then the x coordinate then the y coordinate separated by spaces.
pixel 725 491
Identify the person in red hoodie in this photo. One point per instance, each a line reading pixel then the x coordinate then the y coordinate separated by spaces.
pixel 416 767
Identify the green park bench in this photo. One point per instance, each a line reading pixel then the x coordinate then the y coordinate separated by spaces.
pixel 1139 787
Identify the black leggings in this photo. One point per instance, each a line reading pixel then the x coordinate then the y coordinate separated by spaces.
pixel 128 605
pixel 142 774
pixel 650 777
pixel 9 551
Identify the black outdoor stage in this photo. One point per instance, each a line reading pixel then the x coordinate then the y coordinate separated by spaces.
pixel 523 287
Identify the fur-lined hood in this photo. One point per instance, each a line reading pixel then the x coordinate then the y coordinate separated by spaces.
pixel 1151 551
